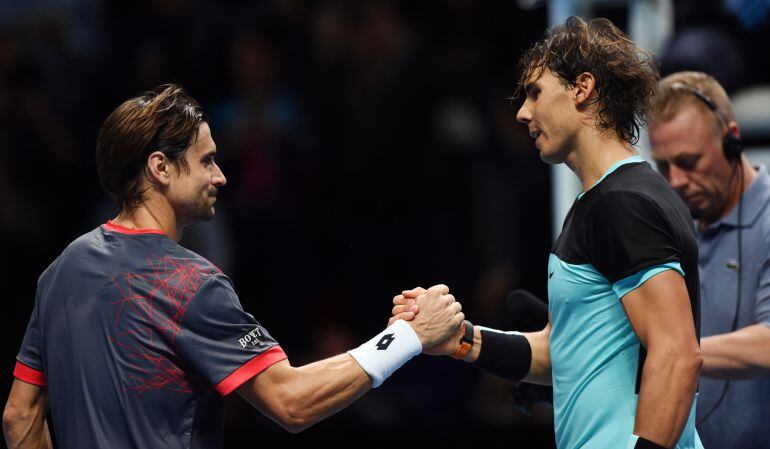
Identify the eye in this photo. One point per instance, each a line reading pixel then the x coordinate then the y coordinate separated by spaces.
pixel 687 163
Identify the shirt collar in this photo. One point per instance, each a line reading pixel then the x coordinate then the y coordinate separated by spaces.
pixel 753 202
pixel 615 166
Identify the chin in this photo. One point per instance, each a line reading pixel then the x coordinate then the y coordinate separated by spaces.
pixel 551 158
pixel 208 216
pixel 203 215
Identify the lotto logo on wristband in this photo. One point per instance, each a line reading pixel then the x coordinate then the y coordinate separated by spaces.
pixel 385 341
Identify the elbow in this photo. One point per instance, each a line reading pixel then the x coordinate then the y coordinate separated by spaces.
pixel 292 412
pixel 293 427
pixel 698 360
pixel 695 360
pixel 690 364
pixel 13 415
pixel 682 362
pixel 293 421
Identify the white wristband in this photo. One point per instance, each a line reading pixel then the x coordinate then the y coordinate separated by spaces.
pixel 385 353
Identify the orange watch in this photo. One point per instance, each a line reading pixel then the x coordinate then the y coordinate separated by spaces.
pixel 466 343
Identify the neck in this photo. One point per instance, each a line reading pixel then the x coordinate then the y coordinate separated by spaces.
pixel 738 185
pixel 150 215
pixel 594 154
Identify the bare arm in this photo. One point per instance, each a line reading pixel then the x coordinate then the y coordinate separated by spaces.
pixel 661 316
pixel 742 354
pixel 540 366
pixel 297 398
pixel 24 423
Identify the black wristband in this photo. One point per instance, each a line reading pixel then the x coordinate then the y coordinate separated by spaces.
pixel 504 355
pixel 642 443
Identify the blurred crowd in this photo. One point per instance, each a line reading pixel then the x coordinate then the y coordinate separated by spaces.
pixel 369 146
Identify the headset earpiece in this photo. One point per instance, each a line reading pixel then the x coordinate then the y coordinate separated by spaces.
pixel 732 146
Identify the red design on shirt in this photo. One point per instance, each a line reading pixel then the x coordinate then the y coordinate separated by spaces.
pixel 150 309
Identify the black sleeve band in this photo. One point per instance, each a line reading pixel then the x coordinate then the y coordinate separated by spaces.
pixel 504 355
pixel 641 443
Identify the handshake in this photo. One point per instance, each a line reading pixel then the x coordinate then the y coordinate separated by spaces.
pixel 434 315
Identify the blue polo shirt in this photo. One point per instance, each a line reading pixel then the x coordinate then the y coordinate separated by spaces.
pixel 740 420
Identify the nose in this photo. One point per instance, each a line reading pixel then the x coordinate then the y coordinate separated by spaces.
pixel 524 115
pixel 219 177
pixel 677 178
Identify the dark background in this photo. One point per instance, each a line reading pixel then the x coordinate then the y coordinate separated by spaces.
pixel 369 147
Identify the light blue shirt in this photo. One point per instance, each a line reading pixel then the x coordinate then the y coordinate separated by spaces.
pixel 594 350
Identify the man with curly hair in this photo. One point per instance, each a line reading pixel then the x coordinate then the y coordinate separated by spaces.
pixel 621 345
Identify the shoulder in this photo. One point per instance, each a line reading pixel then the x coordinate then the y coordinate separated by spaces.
pixel 637 191
pixel 622 206
pixel 152 251
pixel 73 251
pixel 196 260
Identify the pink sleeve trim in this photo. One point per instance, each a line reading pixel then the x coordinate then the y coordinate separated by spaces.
pixel 250 369
pixel 110 226
pixel 29 374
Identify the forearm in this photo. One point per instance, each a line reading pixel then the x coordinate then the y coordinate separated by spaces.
pixel 742 354
pixel 669 382
pixel 297 398
pixel 26 429
pixel 540 364
pixel 323 388
pixel 540 367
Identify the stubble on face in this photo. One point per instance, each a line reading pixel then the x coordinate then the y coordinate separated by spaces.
pixel 198 182
pixel 552 115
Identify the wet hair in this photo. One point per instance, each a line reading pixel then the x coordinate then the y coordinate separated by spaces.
pixel 165 119
pixel 675 92
pixel 626 75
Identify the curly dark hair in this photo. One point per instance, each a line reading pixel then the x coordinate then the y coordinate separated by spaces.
pixel 165 119
pixel 626 75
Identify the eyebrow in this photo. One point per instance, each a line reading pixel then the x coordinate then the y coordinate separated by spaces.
pixel 686 157
pixel 529 87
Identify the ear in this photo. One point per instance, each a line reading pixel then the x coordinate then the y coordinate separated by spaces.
pixel 734 129
pixel 159 168
pixel 585 89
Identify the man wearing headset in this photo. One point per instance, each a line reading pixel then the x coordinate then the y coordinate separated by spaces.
pixel 696 146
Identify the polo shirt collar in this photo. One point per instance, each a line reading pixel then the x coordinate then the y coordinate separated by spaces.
pixel 615 166
pixel 754 201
